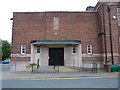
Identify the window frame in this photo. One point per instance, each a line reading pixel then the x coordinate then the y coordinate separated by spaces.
pixel 89 47
pixel 118 15
pixel 38 50
pixel 73 49
pixel 23 49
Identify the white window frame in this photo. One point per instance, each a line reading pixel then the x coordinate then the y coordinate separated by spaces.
pixel 89 48
pixel 118 14
pixel 23 49
pixel 56 23
pixel 38 50
pixel 73 49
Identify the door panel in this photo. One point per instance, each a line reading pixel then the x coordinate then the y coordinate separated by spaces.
pixel 56 56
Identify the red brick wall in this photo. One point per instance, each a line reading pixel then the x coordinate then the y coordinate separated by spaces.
pixel 27 27
pixel 114 25
pixel 83 26
pixel 73 26
pixel 20 59
pixel 62 33
pixel 92 59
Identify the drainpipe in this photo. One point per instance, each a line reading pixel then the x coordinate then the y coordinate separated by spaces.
pixel 110 29
pixel 104 27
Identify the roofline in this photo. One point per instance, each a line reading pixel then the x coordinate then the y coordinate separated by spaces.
pixel 105 3
pixel 58 12
pixel 109 1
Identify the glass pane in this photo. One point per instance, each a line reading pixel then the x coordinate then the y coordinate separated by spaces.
pixel 119 10
pixel 119 19
pixel 23 51
pixel 38 51
pixel 89 51
pixel 73 51
pixel 88 46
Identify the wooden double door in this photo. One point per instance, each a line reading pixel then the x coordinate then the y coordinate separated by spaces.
pixel 56 56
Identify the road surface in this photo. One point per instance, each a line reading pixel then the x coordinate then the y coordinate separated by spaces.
pixel 63 83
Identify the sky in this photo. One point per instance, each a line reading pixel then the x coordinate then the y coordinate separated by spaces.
pixel 7 7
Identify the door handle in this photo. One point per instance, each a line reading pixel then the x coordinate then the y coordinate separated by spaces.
pixel 48 57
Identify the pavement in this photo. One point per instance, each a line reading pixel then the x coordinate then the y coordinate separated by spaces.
pixel 7 75
pixel 61 75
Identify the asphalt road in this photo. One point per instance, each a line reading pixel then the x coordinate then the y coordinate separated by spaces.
pixel 63 83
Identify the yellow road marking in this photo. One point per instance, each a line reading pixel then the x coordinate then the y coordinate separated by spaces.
pixel 70 78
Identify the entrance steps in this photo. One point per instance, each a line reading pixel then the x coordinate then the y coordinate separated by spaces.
pixel 45 69
pixel 51 69
pixel 68 69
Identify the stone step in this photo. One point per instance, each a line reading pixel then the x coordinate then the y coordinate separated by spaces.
pixel 60 69
pixel 69 69
pixel 45 69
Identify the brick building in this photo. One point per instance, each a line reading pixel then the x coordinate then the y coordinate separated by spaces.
pixel 0 50
pixel 67 38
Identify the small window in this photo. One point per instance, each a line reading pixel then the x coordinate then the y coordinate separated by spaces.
pixel 56 23
pixel 23 49
pixel 89 49
pixel 38 49
pixel 118 10
pixel 73 49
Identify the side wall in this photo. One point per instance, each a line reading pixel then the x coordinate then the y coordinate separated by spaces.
pixel 104 25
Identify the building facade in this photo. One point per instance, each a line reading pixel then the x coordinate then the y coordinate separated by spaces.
pixel 67 38
pixel 0 50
